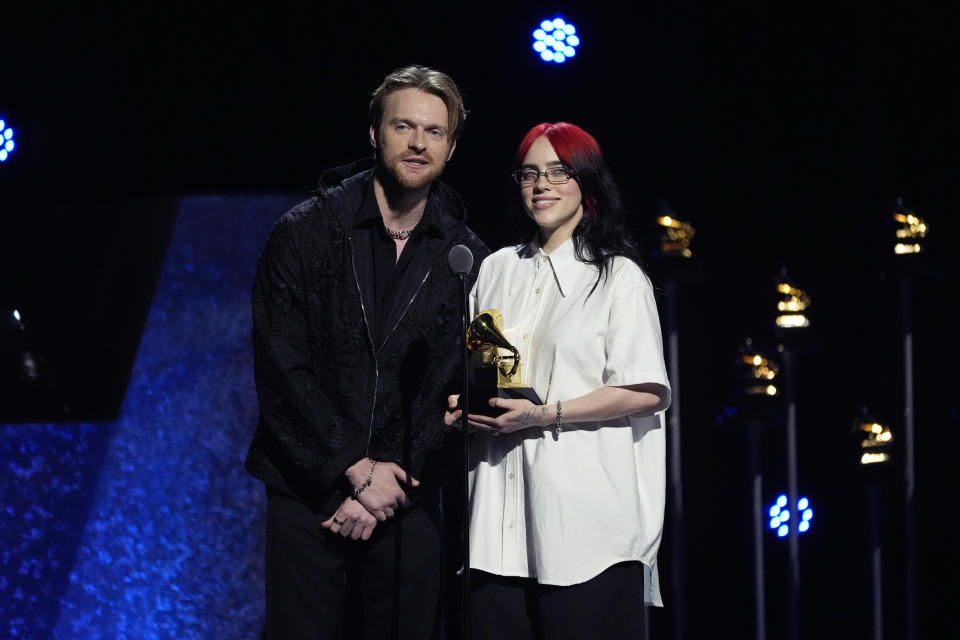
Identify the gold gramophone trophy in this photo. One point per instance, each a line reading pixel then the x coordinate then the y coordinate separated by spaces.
pixel 492 373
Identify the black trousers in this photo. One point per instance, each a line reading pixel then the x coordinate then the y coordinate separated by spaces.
pixel 322 586
pixel 609 606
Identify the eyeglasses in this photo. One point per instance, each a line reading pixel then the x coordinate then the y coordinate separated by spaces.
pixel 554 175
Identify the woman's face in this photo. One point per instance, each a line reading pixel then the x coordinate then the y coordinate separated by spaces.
pixel 554 207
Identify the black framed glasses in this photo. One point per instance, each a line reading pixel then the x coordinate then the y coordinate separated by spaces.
pixel 554 175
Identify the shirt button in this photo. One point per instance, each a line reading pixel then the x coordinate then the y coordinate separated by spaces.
pixel 510 525
pixel 510 476
pixel 524 336
pixel 538 291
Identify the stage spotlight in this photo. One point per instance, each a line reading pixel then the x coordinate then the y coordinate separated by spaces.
pixel 877 440
pixel 7 143
pixel 556 40
pixel 676 237
pixel 792 306
pixel 911 230
pixel 780 516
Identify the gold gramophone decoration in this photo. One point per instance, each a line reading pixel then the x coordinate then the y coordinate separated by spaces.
pixel 675 237
pixel 494 373
pixel 792 306
pixel 760 371
pixel 485 339
pixel 876 439
pixel 910 232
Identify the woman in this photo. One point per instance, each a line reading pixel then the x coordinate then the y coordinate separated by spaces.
pixel 567 497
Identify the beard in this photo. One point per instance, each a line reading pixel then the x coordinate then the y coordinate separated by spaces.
pixel 394 173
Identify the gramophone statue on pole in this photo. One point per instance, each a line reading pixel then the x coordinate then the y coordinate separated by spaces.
pixel 494 373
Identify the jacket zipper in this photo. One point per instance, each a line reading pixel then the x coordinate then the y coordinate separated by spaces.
pixel 407 308
pixel 373 347
pixel 376 352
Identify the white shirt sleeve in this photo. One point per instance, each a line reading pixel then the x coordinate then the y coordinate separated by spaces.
pixel 633 343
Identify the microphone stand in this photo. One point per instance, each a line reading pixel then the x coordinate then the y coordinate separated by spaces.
pixel 465 403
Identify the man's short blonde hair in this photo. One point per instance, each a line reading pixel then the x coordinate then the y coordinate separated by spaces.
pixel 428 80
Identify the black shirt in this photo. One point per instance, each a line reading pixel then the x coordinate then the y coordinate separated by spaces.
pixel 389 272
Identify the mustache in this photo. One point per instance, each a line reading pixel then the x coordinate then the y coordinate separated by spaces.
pixel 426 155
pixel 381 156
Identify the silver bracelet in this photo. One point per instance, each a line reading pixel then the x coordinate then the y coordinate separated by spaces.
pixel 556 433
pixel 366 483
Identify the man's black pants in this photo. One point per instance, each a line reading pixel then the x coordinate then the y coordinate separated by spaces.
pixel 321 585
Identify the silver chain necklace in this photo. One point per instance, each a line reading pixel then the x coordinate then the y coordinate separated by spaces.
pixel 398 235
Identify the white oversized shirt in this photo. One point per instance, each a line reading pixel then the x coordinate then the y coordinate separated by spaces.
pixel 562 510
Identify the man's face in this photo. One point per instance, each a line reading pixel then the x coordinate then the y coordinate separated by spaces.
pixel 413 143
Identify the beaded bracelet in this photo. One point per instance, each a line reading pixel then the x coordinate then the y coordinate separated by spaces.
pixel 366 483
pixel 556 433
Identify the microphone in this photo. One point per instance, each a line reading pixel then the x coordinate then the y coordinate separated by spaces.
pixel 460 259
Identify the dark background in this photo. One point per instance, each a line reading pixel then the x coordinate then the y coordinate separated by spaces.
pixel 784 135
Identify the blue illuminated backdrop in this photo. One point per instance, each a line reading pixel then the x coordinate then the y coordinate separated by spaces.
pixel 148 527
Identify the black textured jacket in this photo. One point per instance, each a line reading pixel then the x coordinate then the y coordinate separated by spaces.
pixel 329 396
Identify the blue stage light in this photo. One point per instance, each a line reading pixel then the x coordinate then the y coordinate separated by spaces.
pixel 780 516
pixel 7 144
pixel 555 40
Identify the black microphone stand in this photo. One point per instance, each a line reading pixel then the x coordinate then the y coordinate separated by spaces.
pixel 465 479
pixel 460 259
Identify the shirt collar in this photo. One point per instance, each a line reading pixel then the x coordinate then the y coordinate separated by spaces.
pixel 562 260
pixel 368 215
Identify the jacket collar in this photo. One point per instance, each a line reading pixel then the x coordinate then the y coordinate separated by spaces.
pixel 345 187
pixel 368 214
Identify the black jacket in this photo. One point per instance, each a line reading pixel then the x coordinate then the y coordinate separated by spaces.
pixel 329 396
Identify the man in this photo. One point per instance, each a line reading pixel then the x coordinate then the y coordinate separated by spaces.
pixel 356 325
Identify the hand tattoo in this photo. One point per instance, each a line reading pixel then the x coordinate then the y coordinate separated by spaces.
pixel 530 415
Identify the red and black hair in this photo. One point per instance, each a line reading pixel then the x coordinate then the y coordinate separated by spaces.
pixel 601 234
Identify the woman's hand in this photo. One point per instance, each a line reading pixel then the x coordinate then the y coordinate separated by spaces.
pixel 519 414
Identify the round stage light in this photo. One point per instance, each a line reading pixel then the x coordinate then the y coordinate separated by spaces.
pixel 555 40
pixel 780 516
pixel 7 143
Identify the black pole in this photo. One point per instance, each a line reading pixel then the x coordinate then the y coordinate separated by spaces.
pixel 460 259
pixel 909 506
pixel 876 562
pixel 756 476
pixel 676 475
pixel 465 478
pixel 793 605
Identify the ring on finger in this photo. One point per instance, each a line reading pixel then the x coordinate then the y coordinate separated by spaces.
pixel 339 522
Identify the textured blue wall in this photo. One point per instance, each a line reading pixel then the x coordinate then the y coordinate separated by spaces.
pixel 148 527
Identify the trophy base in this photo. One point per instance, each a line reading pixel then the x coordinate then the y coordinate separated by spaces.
pixel 519 392
pixel 483 386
